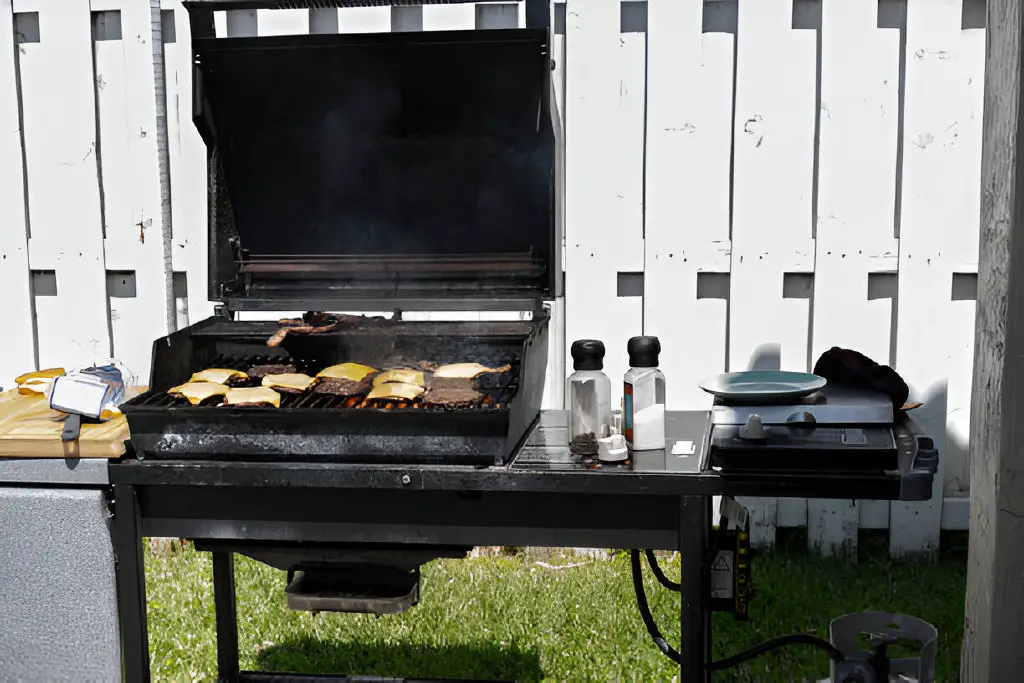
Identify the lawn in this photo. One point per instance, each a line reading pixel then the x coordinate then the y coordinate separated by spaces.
pixel 510 617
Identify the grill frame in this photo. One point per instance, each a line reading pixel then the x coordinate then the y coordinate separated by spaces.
pixel 467 436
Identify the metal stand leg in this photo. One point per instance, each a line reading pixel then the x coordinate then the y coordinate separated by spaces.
pixel 131 585
pixel 708 512
pixel 227 618
pixel 694 618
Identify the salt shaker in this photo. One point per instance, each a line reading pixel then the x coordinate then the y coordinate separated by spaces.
pixel 644 396
pixel 589 392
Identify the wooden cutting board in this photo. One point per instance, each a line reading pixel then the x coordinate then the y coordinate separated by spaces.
pixel 29 429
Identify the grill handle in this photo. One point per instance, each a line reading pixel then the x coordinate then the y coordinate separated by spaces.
pixel 537 11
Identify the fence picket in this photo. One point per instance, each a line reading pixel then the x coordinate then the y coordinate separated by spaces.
pixel 933 182
pixel 604 150
pixel 129 175
pixel 772 249
pixel 689 135
pixel 187 156
pixel 66 246
pixel 20 348
pixel 964 242
pixel 859 116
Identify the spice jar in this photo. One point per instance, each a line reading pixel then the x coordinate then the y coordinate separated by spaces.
pixel 644 396
pixel 588 391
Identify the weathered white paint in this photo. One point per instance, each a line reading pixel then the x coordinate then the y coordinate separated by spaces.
pixel 713 209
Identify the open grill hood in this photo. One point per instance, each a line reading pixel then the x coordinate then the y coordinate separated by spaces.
pixel 378 171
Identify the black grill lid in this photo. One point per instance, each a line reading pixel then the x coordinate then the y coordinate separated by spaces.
pixel 379 170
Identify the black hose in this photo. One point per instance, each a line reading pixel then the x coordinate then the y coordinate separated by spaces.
pixel 660 575
pixel 774 643
pixel 645 609
pixel 728 662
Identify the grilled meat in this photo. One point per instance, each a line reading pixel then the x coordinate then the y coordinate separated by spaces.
pixel 278 337
pixel 218 376
pixel 435 383
pixel 400 376
pixel 293 383
pixel 467 370
pixel 395 390
pixel 261 371
pixel 352 371
pixel 341 387
pixel 197 392
pixel 315 322
pixel 252 396
pixel 428 365
pixel 452 396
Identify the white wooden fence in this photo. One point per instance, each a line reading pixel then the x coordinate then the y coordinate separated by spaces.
pixel 751 181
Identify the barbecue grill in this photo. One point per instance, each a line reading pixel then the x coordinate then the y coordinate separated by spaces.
pixel 370 172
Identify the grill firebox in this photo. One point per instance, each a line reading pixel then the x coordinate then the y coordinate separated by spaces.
pixel 321 428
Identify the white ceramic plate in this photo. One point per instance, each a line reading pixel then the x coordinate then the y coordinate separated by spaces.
pixel 763 385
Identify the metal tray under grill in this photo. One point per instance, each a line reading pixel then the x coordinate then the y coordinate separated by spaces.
pixel 323 428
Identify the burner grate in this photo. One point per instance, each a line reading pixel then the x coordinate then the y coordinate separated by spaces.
pixel 497 390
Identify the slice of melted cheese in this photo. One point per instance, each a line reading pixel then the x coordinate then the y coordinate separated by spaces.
pixel 399 376
pixel 352 371
pixel 291 381
pixel 395 390
pixel 197 392
pixel 251 395
pixel 218 375
pixel 467 370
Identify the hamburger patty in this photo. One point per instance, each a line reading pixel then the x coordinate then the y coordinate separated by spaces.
pixel 260 371
pixel 340 386
pixel 452 396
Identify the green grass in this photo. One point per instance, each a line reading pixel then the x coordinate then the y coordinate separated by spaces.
pixel 507 617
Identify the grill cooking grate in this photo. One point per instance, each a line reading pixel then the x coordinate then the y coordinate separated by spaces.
pixel 497 390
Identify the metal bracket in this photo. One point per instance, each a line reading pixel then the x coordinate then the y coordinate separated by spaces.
pixel 733 514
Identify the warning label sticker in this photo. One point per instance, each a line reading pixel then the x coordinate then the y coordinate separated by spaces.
pixel 721 575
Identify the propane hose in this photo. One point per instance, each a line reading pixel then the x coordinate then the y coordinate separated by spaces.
pixel 668 583
pixel 728 662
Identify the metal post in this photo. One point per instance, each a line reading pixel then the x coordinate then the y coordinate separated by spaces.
pixel 707 511
pixel 131 584
pixel 227 617
pixel 694 621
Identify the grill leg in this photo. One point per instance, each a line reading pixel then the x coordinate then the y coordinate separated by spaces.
pixel 131 584
pixel 227 617
pixel 694 618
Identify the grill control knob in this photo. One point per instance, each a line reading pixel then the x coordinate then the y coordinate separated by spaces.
pixel 406 480
pixel 754 429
